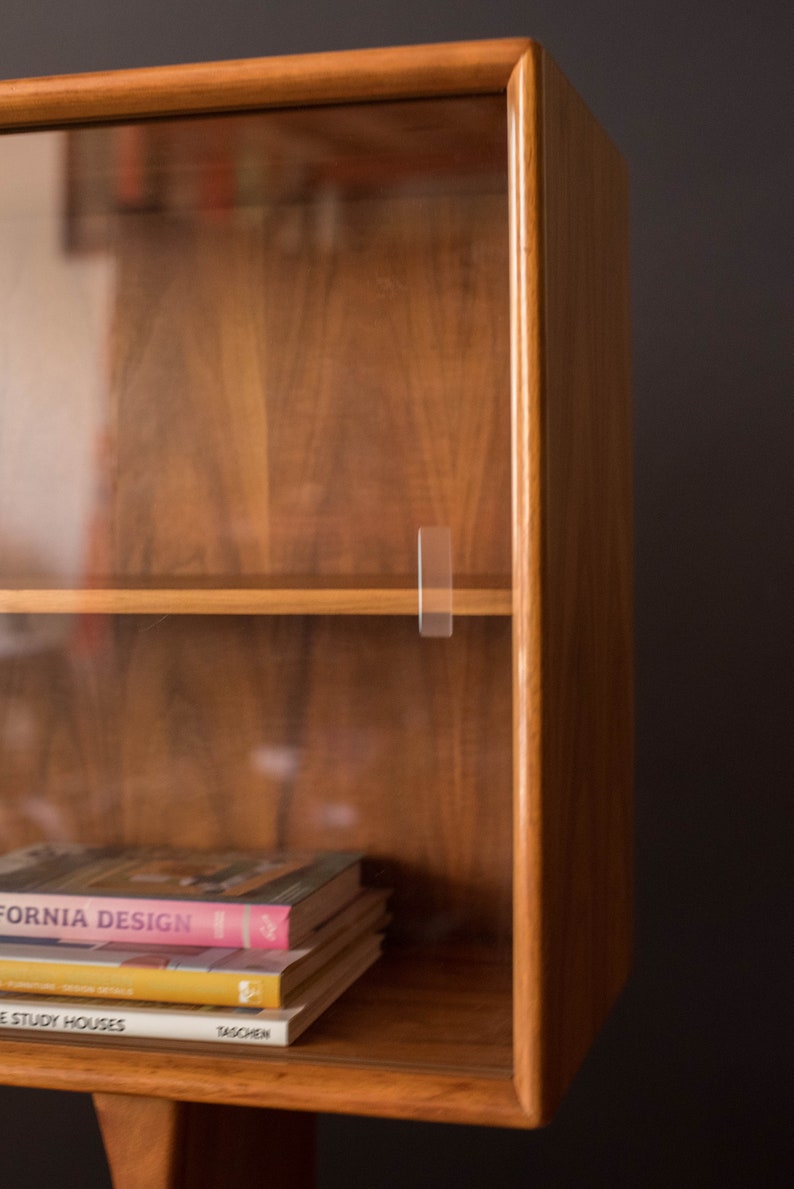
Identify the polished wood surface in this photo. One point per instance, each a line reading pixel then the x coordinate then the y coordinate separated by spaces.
pixel 382 354
pixel 193 600
pixel 415 1038
pixel 527 302
pixel 588 635
pixel 432 1097
pixel 462 68
pixel 314 359
pixel 142 1138
pixel 573 694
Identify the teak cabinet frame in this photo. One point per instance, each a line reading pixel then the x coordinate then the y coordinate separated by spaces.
pixel 571 599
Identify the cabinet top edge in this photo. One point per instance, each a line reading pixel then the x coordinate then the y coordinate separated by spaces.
pixel 403 72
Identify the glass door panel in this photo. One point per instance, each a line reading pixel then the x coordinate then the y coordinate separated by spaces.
pixel 255 351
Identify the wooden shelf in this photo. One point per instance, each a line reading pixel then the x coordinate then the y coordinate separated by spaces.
pixel 414 1038
pixel 244 601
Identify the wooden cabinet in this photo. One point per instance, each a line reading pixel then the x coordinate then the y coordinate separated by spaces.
pixel 260 322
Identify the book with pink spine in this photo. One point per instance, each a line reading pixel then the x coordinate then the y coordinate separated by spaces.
pixel 172 896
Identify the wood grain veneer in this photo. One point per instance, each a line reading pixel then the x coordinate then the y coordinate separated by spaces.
pixel 262 601
pixel 142 1138
pixel 462 68
pixel 527 302
pixel 572 621
pixel 490 392
pixel 361 1089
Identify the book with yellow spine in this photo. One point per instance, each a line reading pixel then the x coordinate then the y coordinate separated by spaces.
pixel 116 1021
pixel 187 974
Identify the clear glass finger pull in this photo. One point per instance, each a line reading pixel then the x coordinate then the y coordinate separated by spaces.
pixel 435 582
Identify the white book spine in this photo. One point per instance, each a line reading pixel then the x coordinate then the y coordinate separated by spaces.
pixel 146 1023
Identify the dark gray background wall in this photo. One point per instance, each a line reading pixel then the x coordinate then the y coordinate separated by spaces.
pixel 686 1085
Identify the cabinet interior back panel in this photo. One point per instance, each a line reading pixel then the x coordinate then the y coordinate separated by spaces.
pixel 286 731
pixel 277 345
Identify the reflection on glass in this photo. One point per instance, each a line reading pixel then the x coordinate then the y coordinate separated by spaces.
pixel 253 348
pixel 55 314
pixel 258 352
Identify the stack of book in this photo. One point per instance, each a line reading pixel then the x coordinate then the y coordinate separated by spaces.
pixel 158 943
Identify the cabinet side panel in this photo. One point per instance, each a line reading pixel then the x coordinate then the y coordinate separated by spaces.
pixel 573 693
pixel 587 582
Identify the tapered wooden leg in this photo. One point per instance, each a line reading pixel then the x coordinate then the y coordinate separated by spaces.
pixel 152 1143
pixel 143 1139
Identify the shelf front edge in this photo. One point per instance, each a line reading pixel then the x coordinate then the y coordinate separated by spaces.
pixel 454 1097
pixel 330 601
